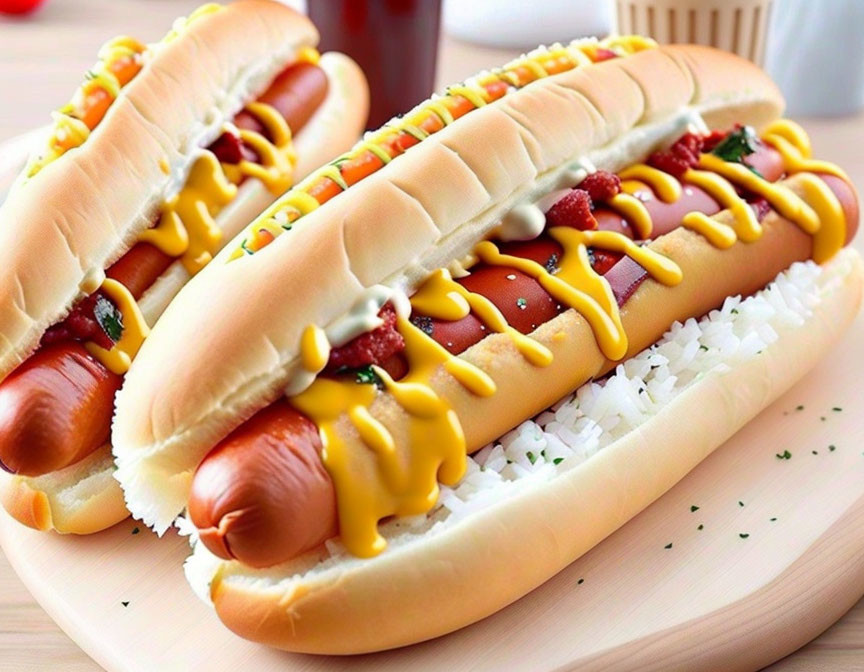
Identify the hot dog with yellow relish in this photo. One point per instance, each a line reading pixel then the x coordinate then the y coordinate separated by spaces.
pixel 160 158
pixel 320 435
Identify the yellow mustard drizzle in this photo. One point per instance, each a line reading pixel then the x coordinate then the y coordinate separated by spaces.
pixel 277 157
pixel 69 131
pixel 747 227
pixel 440 297
pixel 792 142
pixel 135 330
pixel 664 185
pixel 398 477
pixel 396 482
pixel 186 227
pixel 577 54
pixel 634 211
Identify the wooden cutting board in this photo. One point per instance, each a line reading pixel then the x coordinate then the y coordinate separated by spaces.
pixel 773 555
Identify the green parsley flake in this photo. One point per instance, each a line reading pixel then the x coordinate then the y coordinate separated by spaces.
pixel 109 318
pixel 701 527
pixel 737 144
pixel 693 508
pixel 558 460
pixel 832 447
pixel 668 546
pixel 532 458
pixel 785 455
pixel 744 535
pixel 367 376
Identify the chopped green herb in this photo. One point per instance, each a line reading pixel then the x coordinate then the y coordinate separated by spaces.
pixel 836 409
pixel 580 582
pixel 532 458
pixel 832 447
pixel 668 546
pixel 734 311
pixel 367 376
pixel 737 144
pixel 522 303
pixel 800 407
pixel 815 452
pixel 740 503
pixel 135 530
pixel 703 348
pixel 109 318
pixel 701 527
pixel 744 535
pixel 785 455
pixel 773 520
pixel 125 604
pixel 558 460
pixel 693 508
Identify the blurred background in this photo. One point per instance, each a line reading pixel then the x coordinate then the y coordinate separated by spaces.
pixel 812 48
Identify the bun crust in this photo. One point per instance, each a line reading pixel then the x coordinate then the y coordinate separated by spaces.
pixel 417 591
pixel 429 206
pixel 84 210
pixel 60 501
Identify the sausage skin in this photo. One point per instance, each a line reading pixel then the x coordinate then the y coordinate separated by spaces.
pixel 284 487
pixel 55 409
pixel 236 482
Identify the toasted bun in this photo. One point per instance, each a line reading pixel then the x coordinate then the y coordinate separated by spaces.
pixel 85 498
pixel 416 590
pixel 85 209
pixel 80 499
pixel 428 206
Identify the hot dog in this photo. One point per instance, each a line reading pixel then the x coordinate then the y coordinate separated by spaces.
pixel 269 105
pixel 573 296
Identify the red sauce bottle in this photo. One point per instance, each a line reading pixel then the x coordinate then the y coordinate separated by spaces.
pixel 394 41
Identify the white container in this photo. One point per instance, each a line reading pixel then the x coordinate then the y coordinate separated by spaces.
pixel 816 56
pixel 739 26
pixel 523 25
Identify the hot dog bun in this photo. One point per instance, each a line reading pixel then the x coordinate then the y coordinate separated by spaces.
pixel 429 206
pixel 417 589
pixel 84 498
pixel 82 212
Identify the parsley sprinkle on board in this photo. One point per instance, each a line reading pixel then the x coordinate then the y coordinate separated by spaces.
pixel 744 535
pixel 580 582
pixel 740 503
pixel 125 604
pixel 135 530
pixel 785 455
pixel 693 508
pixel 701 527
pixel 668 546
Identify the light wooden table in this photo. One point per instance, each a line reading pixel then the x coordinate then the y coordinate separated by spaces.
pixel 41 61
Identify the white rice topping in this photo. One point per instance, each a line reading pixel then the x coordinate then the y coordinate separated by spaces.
pixel 596 415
